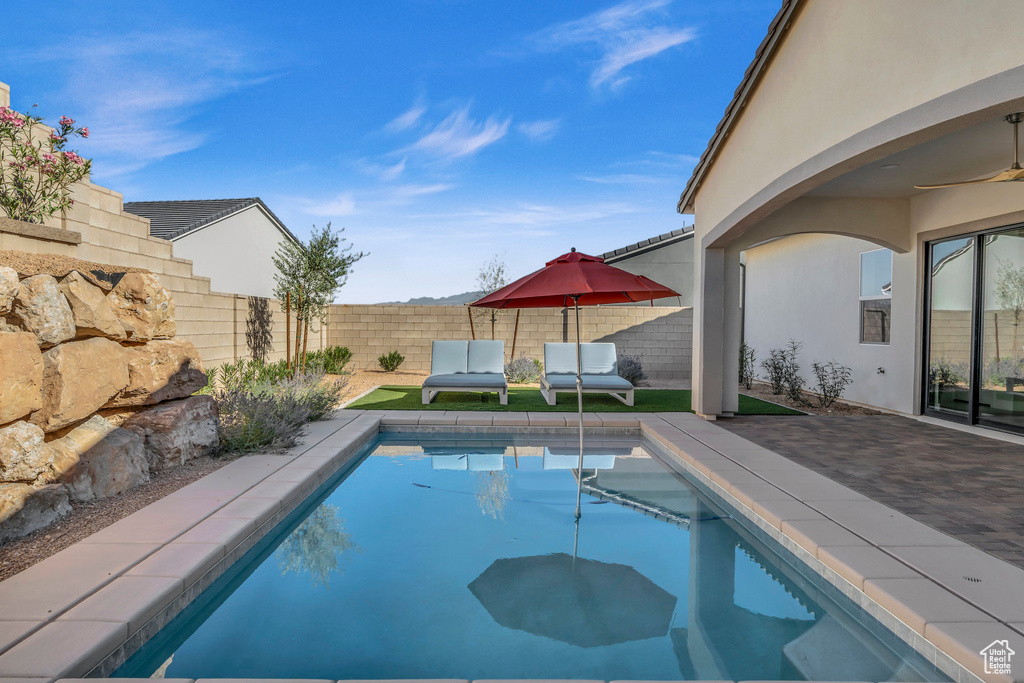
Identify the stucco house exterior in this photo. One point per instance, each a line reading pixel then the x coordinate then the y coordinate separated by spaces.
pixel 230 241
pixel 811 174
pixel 667 259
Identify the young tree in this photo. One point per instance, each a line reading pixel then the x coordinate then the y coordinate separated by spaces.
pixel 493 276
pixel 1009 294
pixel 312 273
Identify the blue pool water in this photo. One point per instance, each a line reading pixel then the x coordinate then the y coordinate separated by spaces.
pixel 461 559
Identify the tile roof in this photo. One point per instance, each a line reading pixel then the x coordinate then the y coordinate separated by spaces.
pixel 171 219
pixel 657 241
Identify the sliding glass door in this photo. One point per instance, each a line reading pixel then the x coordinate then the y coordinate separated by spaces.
pixel 974 346
pixel 949 335
pixel 1001 380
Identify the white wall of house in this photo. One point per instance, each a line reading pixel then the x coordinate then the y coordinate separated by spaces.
pixel 670 265
pixel 807 288
pixel 844 119
pixel 235 252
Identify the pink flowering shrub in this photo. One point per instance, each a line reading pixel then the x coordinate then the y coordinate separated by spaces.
pixel 36 171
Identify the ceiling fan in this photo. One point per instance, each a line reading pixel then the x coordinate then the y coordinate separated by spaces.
pixel 1012 174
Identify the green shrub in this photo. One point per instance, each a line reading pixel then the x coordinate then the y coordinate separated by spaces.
pixel 259 420
pixel 315 392
pixel 523 370
pixel 390 361
pixel 243 374
pixel 832 380
pixel 747 359
pixel 783 371
pixel 632 368
pixel 262 408
pixel 331 360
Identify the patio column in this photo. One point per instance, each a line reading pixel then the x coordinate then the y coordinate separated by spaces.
pixel 716 332
pixel 731 342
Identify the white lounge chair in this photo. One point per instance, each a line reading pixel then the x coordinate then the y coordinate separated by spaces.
pixel 473 458
pixel 593 458
pixel 477 365
pixel 600 372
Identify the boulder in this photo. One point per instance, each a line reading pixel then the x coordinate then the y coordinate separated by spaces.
pixel 25 508
pixel 41 309
pixel 8 288
pixel 159 371
pixel 177 431
pixel 97 460
pixel 78 378
pixel 21 375
pixel 144 307
pixel 19 444
pixel 94 317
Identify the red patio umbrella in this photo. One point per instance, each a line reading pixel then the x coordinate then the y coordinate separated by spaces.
pixel 581 280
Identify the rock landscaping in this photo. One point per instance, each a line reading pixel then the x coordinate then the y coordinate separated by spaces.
pixel 95 391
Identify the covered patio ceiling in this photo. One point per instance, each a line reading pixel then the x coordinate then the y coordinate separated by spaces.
pixel 975 152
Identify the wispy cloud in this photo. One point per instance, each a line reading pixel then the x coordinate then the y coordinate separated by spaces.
pixel 547 215
pixel 340 205
pixel 626 179
pixel 404 193
pixel 392 172
pixel 408 119
pixel 539 131
pixel 458 135
pixel 136 92
pixel 624 34
pixel 660 163
pixel 374 200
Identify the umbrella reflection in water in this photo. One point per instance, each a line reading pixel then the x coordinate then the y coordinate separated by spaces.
pixel 574 600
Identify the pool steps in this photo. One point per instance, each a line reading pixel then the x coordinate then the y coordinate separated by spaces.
pixel 83 611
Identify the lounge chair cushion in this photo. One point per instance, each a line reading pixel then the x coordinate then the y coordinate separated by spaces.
pixel 486 356
pixel 570 461
pixel 564 381
pixel 449 357
pixel 474 462
pixel 559 358
pixel 476 379
pixel 599 359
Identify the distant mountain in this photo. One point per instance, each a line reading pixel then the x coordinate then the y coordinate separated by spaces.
pixel 453 300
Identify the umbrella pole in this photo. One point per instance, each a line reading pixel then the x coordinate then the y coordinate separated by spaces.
pixel 579 401
pixel 575 546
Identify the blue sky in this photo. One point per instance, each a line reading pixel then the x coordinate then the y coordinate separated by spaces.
pixel 438 133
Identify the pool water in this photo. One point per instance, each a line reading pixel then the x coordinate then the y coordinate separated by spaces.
pixel 462 559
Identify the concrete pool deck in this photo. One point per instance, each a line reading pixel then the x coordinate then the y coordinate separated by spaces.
pixel 82 611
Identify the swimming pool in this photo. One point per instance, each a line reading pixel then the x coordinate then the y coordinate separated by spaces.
pixel 442 558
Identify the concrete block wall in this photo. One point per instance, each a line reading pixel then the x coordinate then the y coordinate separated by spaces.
pixel 951 335
pixel 660 334
pixel 216 322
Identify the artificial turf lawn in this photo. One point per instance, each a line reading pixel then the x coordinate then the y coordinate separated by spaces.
pixel 522 399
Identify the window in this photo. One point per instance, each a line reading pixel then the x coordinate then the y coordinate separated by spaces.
pixel 875 296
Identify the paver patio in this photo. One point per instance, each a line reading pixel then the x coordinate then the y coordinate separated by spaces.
pixel 968 486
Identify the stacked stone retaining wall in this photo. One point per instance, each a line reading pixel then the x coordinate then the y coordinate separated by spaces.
pixel 95 387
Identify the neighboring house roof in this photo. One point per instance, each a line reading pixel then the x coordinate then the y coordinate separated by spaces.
pixel 171 219
pixel 649 244
pixel 764 53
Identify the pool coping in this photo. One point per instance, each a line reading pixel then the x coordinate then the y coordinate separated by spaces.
pixel 83 611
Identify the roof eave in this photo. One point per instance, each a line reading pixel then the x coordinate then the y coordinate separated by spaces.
pixel 249 202
pixel 637 249
pixel 762 57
